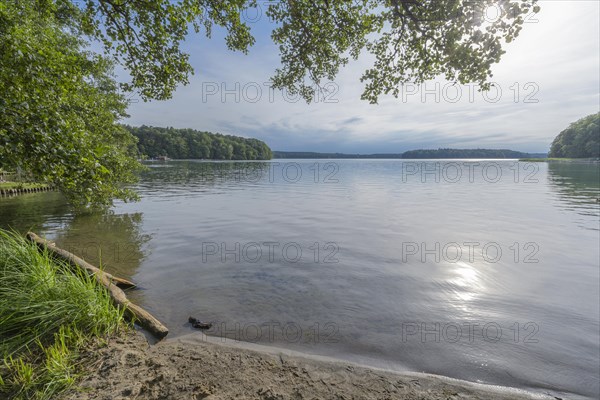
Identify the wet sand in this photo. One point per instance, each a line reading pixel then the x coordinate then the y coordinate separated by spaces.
pixel 128 367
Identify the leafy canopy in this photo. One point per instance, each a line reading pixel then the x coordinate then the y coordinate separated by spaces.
pixel 60 106
pixel 580 140
pixel 410 40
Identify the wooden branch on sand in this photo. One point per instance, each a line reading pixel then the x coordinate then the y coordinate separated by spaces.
pixel 110 282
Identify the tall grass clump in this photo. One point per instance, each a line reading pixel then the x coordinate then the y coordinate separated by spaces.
pixel 48 312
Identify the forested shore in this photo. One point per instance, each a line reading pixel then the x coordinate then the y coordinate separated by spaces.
pixel 417 154
pixel 193 144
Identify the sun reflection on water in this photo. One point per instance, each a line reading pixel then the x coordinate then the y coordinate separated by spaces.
pixel 467 281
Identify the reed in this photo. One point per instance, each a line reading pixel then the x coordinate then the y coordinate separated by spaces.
pixel 48 313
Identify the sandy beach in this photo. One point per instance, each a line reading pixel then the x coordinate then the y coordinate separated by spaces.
pixel 128 367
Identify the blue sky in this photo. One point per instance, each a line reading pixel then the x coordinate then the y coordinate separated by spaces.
pixel 548 78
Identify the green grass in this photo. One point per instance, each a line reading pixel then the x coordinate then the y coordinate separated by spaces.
pixel 21 185
pixel 47 314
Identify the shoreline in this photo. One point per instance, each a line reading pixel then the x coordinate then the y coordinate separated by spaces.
pixel 196 366
pixel 198 338
pixel 9 189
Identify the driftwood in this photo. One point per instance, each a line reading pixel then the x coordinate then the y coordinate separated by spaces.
pixel 76 261
pixel 132 311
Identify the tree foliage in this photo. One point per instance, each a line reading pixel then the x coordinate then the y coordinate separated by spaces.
pixel 193 144
pixel 411 154
pixel 410 41
pixel 464 153
pixel 580 140
pixel 146 36
pixel 59 106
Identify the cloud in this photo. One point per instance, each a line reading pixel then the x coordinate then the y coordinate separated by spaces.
pixel 547 79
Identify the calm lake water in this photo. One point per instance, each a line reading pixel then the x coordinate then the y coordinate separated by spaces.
pixel 479 270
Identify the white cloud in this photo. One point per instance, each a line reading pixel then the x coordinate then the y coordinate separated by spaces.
pixel 554 61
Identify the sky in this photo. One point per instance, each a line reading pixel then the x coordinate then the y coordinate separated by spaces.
pixel 548 78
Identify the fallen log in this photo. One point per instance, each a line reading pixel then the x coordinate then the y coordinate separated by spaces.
pixel 76 261
pixel 110 282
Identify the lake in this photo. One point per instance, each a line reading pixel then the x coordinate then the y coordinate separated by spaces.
pixel 484 270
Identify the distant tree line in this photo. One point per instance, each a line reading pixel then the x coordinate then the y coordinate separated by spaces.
pixel 580 140
pixel 192 144
pixel 420 154
pixel 464 153
pixel 310 154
